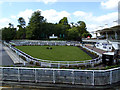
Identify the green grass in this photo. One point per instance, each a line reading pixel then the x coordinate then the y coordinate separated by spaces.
pixel 57 53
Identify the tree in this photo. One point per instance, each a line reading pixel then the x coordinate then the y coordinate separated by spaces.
pixel 21 33
pixel 11 25
pixel 73 33
pixel 35 26
pixel 22 22
pixel 64 26
pixel 64 21
pixel 8 33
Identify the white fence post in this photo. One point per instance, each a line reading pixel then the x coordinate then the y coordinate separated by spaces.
pixel 35 76
pixel 58 65
pixel 18 74
pixel 68 63
pixel 53 76
pixel 2 73
pixel 73 76
pixel 93 79
pixel 111 77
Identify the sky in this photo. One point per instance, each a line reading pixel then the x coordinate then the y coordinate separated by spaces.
pixel 97 14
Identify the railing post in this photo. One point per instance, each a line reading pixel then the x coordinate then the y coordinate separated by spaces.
pixel 53 76
pixel 18 74
pixel 111 77
pixel 2 74
pixel 35 76
pixel 68 63
pixel 73 77
pixel 93 79
pixel 58 65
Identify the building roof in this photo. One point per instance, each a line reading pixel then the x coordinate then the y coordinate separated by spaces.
pixel 114 28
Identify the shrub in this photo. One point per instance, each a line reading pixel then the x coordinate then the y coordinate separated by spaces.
pixel 31 62
pixel 37 64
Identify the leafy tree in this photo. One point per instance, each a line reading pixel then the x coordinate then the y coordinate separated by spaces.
pixel 39 28
pixel 63 27
pixel 21 33
pixel 64 21
pixel 73 33
pixel 35 27
pixel 11 25
pixel 22 22
pixel 8 33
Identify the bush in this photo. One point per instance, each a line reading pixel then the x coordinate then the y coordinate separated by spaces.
pixel 31 62
pixel 37 64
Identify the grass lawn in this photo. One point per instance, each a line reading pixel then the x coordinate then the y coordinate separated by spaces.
pixel 57 53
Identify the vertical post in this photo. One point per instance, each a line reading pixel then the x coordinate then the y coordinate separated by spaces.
pixel 18 74
pixel 106 35
pixel 53 76
pixel 115 35
pixel 111 77
pixel 35 76
pixel 92 64
pixel 73 81
pixel 58 65
pixel 68 63
pixel 2 74
pixel 93 79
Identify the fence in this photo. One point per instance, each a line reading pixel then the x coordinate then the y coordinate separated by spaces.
pixel 49 63
pixel 61 76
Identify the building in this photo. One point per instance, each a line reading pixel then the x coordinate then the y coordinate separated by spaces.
pixel 112 33
pixel 107 39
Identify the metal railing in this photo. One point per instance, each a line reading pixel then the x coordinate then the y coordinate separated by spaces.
pixel 63 76
pixel 50 63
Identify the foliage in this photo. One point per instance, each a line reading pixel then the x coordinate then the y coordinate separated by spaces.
pixel 35 26
pixel 39 28
pixel 8 33
pixel 73 33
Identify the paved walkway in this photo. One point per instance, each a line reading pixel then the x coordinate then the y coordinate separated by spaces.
pixel 5 59
pixel 16 59
pixel 95 49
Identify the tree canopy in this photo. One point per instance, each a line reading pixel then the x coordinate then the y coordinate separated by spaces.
pixel 38 28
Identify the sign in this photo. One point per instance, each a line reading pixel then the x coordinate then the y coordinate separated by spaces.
pixel 53 37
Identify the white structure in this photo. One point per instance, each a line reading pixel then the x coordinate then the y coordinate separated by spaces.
pixel 116 45
pixel 104 45
pixel 53 37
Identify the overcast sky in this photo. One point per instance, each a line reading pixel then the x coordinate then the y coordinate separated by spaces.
pixel 95 13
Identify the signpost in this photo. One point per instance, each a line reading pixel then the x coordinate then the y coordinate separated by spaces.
pixel 53 37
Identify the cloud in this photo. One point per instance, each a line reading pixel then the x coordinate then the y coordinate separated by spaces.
pixel 54 16
pixel 51 15
pixel 4 22
pixel 110 4
pixel 93 22
pixel 25 14
pixel 1 2
pixel 79 13
pixel 13 17
pixel 110 17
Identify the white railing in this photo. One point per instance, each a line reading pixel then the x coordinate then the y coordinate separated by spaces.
pixel 50 63
pixel 63 76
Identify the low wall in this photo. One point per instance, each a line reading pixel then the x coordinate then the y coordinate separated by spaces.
pixel 60 76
